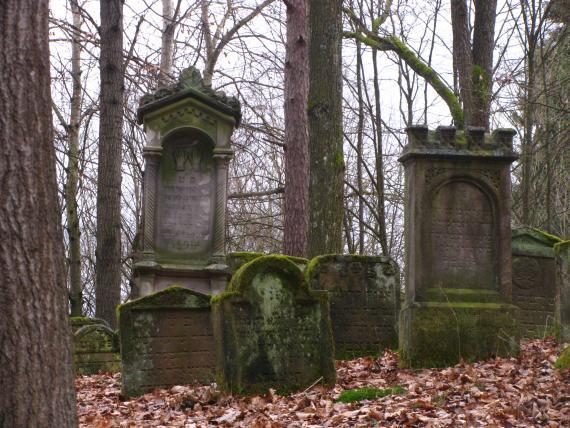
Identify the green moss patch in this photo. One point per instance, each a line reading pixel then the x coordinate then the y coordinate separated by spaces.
pixel 563 361
pixel 355 395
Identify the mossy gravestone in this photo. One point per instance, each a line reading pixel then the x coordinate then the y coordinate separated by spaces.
pixel 95 350
pixel 238 259
pixel 458 247
pixel 562 303
pixel 364 298
pixel 271 330
pixel 166 339
pixel 534 288
pixel 188 128
pixel 78 322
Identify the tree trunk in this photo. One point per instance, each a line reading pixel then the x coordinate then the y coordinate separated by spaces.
pixel 360 148
pixel 474 62
pixel 296 131
pixel 36 370
pixel 168 28
pixel 108 253
pixel 326 173
pixel 71 185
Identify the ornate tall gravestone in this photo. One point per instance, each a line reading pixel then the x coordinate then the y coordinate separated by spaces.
pixel 188 128
pixel 271 330
pixel 458 247
pixel 364 294
pixel 534 288
pixel 166 339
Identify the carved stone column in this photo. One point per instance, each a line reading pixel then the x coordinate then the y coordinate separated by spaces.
pixel 222 158
pixel 152 158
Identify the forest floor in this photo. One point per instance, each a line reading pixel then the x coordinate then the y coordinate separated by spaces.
pixel 503 392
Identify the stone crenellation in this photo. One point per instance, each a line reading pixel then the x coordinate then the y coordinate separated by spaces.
pixel 449 140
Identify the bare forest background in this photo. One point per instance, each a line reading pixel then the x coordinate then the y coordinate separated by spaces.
pixel 240 46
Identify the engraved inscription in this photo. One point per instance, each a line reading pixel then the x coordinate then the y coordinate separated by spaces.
pixel 462 238
pixel 526 271
pixel 177 349
pixel 185 200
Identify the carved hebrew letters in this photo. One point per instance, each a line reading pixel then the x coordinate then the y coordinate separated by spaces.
pixel 462 237
pixel 185 198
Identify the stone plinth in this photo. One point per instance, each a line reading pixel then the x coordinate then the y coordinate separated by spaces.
pixel 166 339
pixel 188 128
pixel 458 247
pixel 271 330
pixel 562 303
pixel 364 297
pixel 534 288
pixel 95 350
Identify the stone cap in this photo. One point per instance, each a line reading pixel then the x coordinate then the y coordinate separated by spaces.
pixel 447 141
pixel 189 85
pixel 533 242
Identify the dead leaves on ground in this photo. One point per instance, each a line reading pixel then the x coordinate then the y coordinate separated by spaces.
pixel 502 392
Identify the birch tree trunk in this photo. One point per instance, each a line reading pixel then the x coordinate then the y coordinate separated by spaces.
pixel 36 371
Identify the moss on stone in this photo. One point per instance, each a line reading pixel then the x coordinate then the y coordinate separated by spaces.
pixel 271 330
pixel 355 395
pixel 457 295
pixel 315 262
pixel 563 361
pixel 436 334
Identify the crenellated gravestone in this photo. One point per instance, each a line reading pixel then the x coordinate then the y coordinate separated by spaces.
pixel 166 339
pixel 562 301
pixel 271 330
pixel 458 247
pixel 95 349
pixel 534 288
pixel 364 296
pixel 188 128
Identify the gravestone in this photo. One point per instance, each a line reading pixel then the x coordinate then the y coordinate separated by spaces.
pixel 458 247
pixel 95 350
pixel 78 322
pixel 188 128
pixel 562 301
pixel 166 339
pixel 271 330
pixel 238 259
pixel 534 288
pixel 364 294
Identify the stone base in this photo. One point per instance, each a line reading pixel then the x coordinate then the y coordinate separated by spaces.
pixel 440 334
pixel 151 277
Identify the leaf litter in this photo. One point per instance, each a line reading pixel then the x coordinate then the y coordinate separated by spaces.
pixel 500 392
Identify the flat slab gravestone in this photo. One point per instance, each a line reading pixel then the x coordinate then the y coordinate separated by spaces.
pixel 458 247
pixel 534 289
pixel 271 330
pixel 187 152
pixel 95 350
pixel 166 339
pixel 364 296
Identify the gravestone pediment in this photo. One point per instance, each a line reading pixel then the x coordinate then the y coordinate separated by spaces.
pixel 533 242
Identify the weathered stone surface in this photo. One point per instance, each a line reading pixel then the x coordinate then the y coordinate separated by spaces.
pixel 364 296
pixel 78 322
pixel 166 339
pixel 271 330
pixel 238 259
pixel 458 254
pixel 533 280
pixel 562 304
pixel 188 129
pixel 95 350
